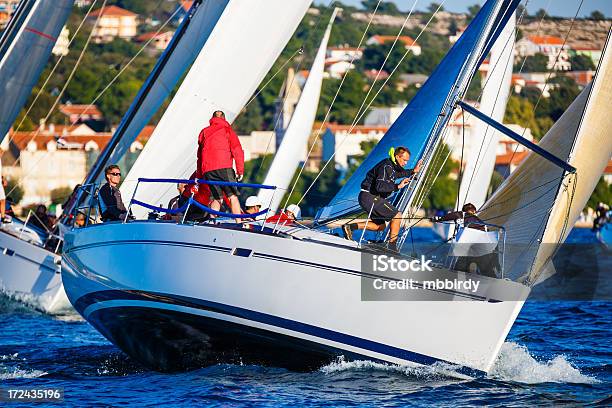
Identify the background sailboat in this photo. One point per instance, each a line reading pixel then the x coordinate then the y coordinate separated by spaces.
pixel 27 270
pixel 296 135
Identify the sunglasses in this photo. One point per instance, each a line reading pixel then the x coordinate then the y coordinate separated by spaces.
pixel 115 174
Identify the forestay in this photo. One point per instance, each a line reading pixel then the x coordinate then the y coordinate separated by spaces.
pixel 25 47
pixel 287 157
pixel 420 125
pixel 247 39
pixel 539 204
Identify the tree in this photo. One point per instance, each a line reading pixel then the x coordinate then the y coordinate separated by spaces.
pixel 521 112
pixel 250 119
pixel 581 62
pixel 443 192
pixel 540 14
pixel 537 62
pixel 385 7
pixel 601 194
pixel 561 96
pixel 433 7
pixel 597 15
pixel 472 11
pixel 14 191
pixel 60 195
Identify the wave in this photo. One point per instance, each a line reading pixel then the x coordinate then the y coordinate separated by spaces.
pixel 435 371
pixel 516 364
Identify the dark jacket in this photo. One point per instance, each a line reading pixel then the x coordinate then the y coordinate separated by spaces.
pixel 469 220
pixel 218 148
pixel 380 180
pixel 112 204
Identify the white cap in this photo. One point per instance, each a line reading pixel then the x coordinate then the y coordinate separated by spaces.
pixel 295 209
pixel 252 201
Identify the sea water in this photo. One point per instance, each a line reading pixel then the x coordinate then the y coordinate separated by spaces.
pixel 557 353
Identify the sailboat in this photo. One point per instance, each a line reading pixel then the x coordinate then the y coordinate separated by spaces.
pixel 178 295
pixel 299 129
pixel 27 270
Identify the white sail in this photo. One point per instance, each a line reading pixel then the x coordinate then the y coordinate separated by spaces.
pixel 480 160
pixel 25 47
pixel 183 55
pixel 240 50
pixel 287 157
pixel 539 204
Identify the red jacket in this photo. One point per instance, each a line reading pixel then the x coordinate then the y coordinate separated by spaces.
pixel 280 218
pixel 218 148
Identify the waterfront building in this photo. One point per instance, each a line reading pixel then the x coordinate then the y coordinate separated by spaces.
pixel 552 47
pixel 114 22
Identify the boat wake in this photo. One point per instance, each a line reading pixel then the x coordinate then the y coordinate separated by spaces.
pixel 514 364
pixel 13 370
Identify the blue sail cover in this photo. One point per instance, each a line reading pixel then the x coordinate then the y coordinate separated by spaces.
pixel 417 122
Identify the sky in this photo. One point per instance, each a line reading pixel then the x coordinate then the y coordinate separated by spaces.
pixel 560 8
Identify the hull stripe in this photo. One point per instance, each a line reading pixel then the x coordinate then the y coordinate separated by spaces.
pixel 95 297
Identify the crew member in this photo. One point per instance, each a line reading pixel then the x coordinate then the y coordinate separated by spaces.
pixel 467 214
pixel 112 205
pixel 252 205
pixel 218 150
pixel 3 184
pixel 286 217
pixel 377 186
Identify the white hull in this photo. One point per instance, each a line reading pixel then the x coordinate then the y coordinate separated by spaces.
pixel 167 294
pixel 31 274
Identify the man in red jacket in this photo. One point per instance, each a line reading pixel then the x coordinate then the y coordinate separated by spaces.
pixel 218 149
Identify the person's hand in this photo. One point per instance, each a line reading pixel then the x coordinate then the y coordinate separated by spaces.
pixel 239 177
pixel 403 183
pixel 417 168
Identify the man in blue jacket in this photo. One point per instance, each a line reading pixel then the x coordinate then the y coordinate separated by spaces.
pixel 377 186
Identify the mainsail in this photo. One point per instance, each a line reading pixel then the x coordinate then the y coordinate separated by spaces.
pixel 422 122
pixel 247 39
pixel 296 135
pixel 480 159
pixel 539 203
pixel 186 43
pixel 25 47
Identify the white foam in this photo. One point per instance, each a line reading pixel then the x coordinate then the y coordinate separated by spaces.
pixel 7 373
pixel 516 364
pixel 437 370
pixel 9 357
